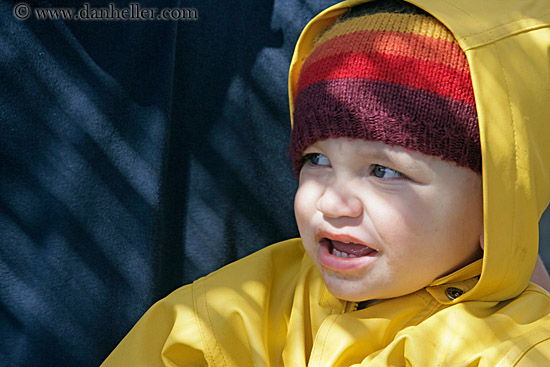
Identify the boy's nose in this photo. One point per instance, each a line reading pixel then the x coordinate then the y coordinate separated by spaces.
pixel 337 201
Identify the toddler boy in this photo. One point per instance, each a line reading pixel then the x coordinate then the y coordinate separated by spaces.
pixel 413 150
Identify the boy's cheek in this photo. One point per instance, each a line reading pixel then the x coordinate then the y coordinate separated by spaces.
pixel 300 206
pixel 305 202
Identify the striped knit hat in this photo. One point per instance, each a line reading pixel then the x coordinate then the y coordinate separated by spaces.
pixel 387 71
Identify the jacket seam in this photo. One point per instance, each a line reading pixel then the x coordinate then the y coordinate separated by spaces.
pixel 210 353
pixel 495 39
pixel 490 31
pixel 325 338
pixel 515 151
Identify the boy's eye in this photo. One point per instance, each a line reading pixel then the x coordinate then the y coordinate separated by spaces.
pixel 316 159
pixel 385 172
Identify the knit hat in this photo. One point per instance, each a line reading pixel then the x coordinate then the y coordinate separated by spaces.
pixel 387 71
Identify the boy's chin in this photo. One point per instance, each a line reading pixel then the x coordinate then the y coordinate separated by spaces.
pixel 347 290
pixel 349 297
pixel 355 290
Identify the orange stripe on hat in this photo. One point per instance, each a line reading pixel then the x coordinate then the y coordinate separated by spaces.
pixel 393 43
pixel 424 25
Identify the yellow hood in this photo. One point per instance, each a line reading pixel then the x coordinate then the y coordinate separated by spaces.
pixel 507 44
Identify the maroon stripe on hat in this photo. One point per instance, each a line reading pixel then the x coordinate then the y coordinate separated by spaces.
pixel 394 114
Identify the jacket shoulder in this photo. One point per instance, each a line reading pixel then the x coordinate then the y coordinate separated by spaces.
pixel 226 307
pixel 532 348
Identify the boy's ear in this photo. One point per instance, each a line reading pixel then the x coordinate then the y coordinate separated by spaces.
pixel 481 240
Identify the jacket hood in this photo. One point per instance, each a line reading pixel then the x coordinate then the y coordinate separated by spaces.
pixel 507 44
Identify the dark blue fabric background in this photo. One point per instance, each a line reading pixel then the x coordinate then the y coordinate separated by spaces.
pixel 134 158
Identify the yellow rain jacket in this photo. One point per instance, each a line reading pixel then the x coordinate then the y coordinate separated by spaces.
pixel 272 308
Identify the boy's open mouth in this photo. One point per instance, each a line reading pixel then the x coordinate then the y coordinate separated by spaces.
pixel 343 253
pixel 348 249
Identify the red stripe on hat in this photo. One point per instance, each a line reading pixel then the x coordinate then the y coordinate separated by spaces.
pixel 426 75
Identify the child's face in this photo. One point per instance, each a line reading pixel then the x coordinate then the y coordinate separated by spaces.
pixel 410 217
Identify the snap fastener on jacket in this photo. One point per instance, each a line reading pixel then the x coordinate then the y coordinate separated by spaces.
pixel 453 292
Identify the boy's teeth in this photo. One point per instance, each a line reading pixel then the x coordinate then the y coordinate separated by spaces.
pixel 342 254
pixel 349 249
